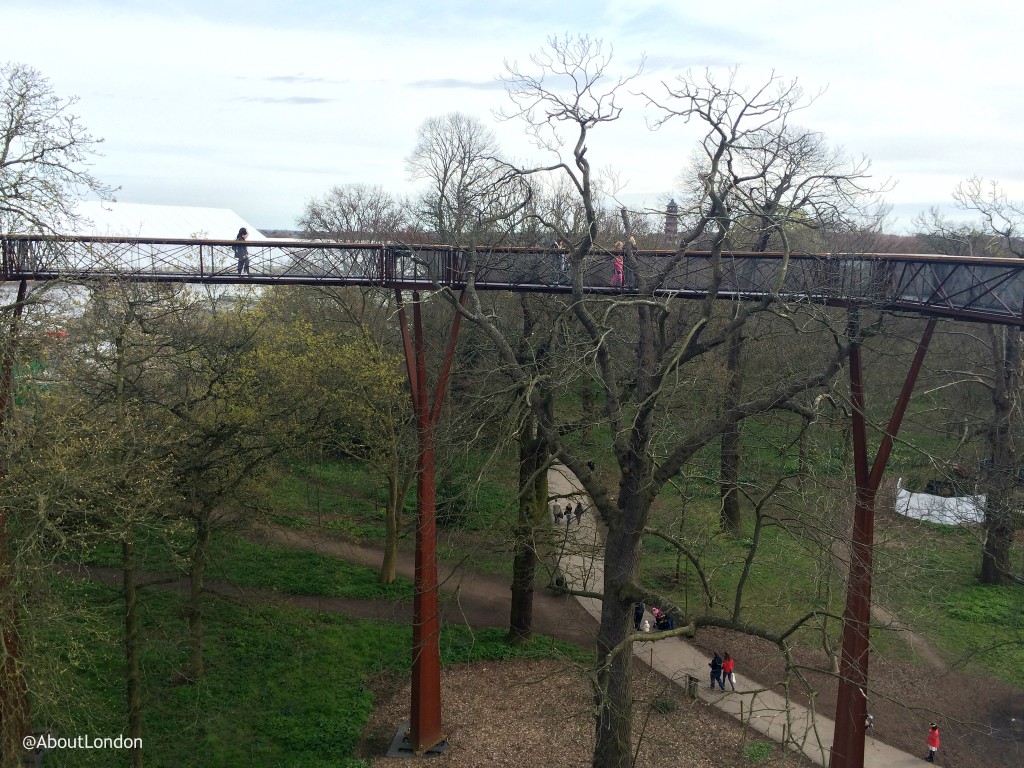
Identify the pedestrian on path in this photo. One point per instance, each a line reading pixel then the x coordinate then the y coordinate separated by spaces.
pixel 638 615
pixel 933 742
pixel 557 511
pixel 728 664
pixel 659 618
pixel 579 512
pixel 716 671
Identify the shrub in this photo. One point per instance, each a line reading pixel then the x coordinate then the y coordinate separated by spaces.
pixel 758 751
pixel 664 704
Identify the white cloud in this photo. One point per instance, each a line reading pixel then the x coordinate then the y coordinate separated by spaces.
pixel 259 106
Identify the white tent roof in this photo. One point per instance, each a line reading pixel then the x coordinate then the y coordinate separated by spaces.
pixel 947 510
pixel 170 221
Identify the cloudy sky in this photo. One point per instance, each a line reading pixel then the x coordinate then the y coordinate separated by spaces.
pixel 258 106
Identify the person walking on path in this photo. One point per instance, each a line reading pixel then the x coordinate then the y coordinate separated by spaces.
pixel 242 251
pixel 556 510
pixel 638 615
pixel 728 664
pixel 579 512
pixel 933 742
pixel 716 671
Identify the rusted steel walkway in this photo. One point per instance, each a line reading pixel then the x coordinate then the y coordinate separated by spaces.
pixel 966 288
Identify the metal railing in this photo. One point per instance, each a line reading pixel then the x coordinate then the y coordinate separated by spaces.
pixel 970 288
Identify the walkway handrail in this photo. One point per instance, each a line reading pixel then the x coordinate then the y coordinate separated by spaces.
pixel 967 288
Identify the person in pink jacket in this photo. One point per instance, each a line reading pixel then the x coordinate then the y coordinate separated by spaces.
pixel 617 265
pixel 933 742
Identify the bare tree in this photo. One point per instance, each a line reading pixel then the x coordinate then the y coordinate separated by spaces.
pixel 43 159
pixel 459 158
pixel 781 182
pixel 999 233
pixel 355 212
pixel 643 349
pixel 44 151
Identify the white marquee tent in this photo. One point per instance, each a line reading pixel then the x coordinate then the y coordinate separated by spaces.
pixel 946 510
pixel 160 221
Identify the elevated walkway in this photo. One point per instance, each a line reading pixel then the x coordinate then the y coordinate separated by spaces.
pixel 967 288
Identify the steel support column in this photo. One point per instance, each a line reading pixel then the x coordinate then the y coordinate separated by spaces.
pixel 425 718
pixel 851 703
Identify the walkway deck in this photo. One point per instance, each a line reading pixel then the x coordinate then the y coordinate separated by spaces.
pixel 967 288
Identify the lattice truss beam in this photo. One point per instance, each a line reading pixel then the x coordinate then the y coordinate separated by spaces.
pixel 967 288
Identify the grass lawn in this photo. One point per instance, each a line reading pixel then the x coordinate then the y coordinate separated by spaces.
pixel 246 563
pixel 283 687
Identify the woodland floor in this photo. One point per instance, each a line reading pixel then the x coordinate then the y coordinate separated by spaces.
pixel 539 713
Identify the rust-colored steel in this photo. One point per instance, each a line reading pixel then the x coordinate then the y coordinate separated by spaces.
pixel 446 363
pixel 426 664
pixel 425 716
pixel 851 702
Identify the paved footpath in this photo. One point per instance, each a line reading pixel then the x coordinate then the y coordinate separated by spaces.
pixel 766 711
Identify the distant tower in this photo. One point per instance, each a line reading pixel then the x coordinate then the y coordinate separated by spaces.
pixel 671 218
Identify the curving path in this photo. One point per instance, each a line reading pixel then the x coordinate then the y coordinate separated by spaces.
pixel 765 711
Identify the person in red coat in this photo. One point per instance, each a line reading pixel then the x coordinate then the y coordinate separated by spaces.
pixel 728 664
pixel 933 742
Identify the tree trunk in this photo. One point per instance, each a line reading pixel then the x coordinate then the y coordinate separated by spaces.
pixel 614 697
pixel 195 608
pixel 533 495
pixel 587 404
pixel 14 704
pixel 999 510
pixel 730 456
pixel 391 517
pixel 1001 486
pixel 131 649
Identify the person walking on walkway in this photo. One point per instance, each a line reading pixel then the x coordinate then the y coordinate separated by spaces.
pixel 728 664
pixel 617 266
pixel 933 742
pixel 579 512
pixel 716 671
pixel 242 251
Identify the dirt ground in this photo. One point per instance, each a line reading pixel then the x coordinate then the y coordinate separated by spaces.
pixel 539 713
pixel 982 719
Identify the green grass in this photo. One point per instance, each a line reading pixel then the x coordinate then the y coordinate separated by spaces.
pixel 283 687
pixel 340 496
pixel 254 564
pixel 758 751
pixel 928 573
pixel 297 572
pixel 925 573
